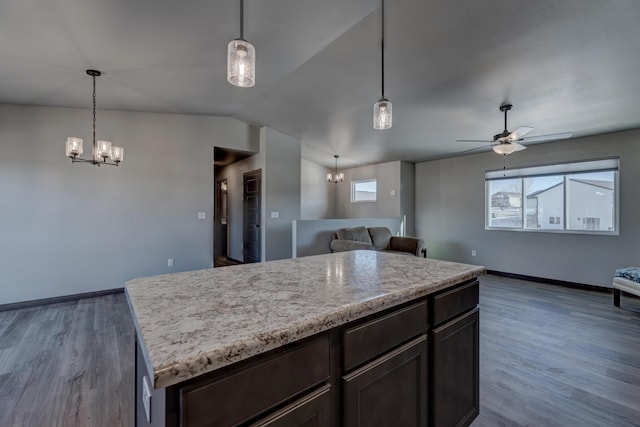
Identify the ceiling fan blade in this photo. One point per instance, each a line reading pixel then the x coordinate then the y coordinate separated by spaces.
pixel 519 133
pixel 519 147
pixel 473 140
pixel 550 137
pixel 473 149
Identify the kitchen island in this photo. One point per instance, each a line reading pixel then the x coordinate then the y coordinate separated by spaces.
pixel 349 338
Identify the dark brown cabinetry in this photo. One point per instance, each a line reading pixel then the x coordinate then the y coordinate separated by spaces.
pixel 412 365
pixel 454 359
pixel 390 391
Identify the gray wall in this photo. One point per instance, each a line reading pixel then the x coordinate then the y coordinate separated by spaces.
pixel 317 196
pixel 407 196
pixel 281 183
pixel 450 214
pixel 69 229
pixel 386 205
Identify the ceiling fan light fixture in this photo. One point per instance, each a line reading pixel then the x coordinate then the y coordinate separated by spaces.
pixel 241 58
pixel 505 148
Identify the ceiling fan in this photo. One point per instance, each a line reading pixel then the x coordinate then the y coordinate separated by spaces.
pixel 507 142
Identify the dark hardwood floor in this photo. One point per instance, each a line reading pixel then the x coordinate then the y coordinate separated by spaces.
pixel 549 356
pixel 556 356
pixel 67 364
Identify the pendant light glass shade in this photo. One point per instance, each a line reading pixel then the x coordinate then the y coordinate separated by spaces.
pixel 505 148
pixel 241 63
pixel 74 147
pixel 382 114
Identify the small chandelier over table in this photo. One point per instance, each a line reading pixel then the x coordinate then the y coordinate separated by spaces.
pixel 336 177
pixel 101 149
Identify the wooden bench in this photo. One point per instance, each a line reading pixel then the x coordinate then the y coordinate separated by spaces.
pixel 626 285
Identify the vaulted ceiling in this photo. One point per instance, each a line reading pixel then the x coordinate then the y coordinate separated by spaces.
pixel 569 65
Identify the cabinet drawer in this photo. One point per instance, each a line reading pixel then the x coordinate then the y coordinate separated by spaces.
pixel 451 303
pixel 312 410
pixel 364 342
pixel 240 396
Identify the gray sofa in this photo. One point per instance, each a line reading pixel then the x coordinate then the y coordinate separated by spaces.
pixel 376 239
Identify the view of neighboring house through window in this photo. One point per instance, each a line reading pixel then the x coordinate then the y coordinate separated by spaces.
pixel 364 191
pixel 570 197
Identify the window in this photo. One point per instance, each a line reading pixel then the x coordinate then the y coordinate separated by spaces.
pixel 363 191
pixel 576 197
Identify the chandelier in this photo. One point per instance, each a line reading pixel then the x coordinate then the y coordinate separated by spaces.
pixel 241 58
pixel 382 110
pixel 102 150
pixel 336 177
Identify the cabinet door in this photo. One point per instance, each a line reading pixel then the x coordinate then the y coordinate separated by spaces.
pixel 389 391
pixel 312 410
pixel 455 363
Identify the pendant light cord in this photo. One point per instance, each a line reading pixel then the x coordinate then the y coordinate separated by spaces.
pixel 242 19
pixel 382 48
pixel 94 112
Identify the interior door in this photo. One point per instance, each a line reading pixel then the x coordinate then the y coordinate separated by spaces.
pixel 252 216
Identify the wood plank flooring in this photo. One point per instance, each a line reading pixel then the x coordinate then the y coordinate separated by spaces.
pixel 556 356
pixel 549 356
pixel 67 364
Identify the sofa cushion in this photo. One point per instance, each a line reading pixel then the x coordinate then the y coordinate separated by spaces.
pixel 356 234
pixel 380 237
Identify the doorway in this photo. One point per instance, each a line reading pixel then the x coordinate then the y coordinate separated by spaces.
pixel 221 231
pixel 252 216
pixel 227 221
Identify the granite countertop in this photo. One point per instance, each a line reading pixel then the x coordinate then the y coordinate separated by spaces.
pixel 195 322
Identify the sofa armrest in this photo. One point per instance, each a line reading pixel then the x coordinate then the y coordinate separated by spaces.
pixel 338 245
pixel 412 245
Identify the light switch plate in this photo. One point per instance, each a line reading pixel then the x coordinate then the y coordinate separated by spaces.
pixel 146 397
pixel 202 215
pixel 275 214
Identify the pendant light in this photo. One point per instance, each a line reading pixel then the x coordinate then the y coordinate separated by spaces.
pixel 336 177
pixel 382 110
pixel 102 150
pixel 241 58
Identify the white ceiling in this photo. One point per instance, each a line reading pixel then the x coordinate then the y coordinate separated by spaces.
pixel 566 65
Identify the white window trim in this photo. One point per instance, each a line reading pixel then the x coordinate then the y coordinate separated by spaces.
pixel 353 187
pixel 608 164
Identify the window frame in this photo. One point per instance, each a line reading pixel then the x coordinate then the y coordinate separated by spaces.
pixel 353 190
pixel 566 170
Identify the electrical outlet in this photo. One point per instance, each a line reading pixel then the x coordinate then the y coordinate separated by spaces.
pixel 170 262
pixel 146 397
pixel 202 215
pixel 275 214
pixel 473 252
